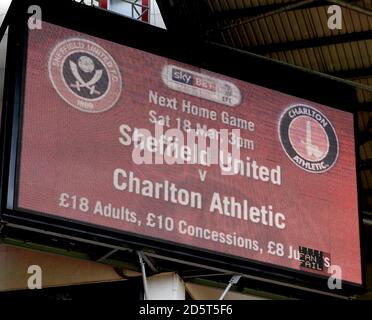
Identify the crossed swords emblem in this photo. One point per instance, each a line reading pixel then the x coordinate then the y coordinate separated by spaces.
pixel 80 83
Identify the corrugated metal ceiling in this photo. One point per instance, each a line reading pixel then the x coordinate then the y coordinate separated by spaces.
pixel 300 35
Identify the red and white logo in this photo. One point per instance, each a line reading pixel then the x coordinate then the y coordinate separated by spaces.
pixel 85 75
pixel 308 138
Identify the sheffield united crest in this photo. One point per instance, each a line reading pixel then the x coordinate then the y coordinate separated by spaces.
pixel 85 75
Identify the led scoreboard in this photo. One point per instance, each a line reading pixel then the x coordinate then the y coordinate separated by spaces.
pixel 121 139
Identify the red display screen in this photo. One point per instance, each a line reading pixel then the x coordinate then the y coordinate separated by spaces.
pixel 91 152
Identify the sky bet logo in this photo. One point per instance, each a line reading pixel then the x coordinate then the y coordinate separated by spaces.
pixel 181 76
pixel 201 85
pixel 187 78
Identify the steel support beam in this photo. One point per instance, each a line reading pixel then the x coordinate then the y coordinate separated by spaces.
pixel 249 12
pixel 144 278
pixel 354 84
pixel 234 280
pixel 246 13
pixel 365 106
pixel 287 7
pixel 365 164
pixel 107 255
pixel 311 43
pixel 93 3
pixel 352 7
pixel 150 264
pixel 6 20
pixel 367 192
pixel 354 73
pixel 208 275
pixel 364 137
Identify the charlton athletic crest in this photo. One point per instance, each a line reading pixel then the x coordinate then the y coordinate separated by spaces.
pixel 85 75
pixel 308 138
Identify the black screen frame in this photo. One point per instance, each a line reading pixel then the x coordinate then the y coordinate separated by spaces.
pixel 275 76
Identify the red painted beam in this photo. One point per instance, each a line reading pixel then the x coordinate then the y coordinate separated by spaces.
pixel 103 4
pixel 145 11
